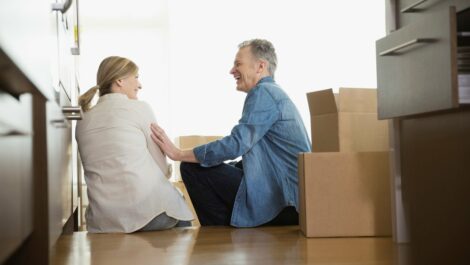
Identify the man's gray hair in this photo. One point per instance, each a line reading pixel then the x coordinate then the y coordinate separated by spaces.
pixel 262 49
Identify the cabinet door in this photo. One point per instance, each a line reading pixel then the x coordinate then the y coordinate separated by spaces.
pixel 411 10
pixel 59 170
pixel 416 67
pixel 408 11
pixel 16 181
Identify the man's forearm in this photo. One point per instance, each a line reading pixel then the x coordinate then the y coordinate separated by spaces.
pixel 187 156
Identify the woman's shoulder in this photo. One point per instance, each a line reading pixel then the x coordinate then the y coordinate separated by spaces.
pixel 139 104
pixel 142 107
pixel 130 106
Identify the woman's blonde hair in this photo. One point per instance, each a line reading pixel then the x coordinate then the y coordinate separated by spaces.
pixel 110 70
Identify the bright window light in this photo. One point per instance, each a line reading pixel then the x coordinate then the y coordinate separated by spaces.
pixel 185 50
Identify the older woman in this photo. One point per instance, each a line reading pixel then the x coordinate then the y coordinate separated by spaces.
pixel 126 173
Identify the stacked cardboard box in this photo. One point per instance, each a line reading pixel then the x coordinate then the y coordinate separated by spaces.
pixel 344 185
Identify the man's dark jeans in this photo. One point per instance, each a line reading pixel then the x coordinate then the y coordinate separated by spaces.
pixel 213 190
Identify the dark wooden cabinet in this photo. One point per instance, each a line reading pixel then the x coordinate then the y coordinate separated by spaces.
pixel 38 185
pixel 435 159
pixel 423 85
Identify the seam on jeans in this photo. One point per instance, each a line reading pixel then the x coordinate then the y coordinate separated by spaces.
pixel 205 152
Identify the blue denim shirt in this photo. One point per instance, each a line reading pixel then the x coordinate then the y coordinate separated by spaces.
pixel 269 136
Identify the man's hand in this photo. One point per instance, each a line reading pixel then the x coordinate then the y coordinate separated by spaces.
pixel 166 145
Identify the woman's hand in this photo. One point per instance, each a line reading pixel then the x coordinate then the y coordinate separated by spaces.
pixel 166 145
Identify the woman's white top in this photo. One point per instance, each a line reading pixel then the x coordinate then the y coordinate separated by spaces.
pixel 125 171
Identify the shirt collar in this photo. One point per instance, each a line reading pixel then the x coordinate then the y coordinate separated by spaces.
pixel 266 79
pixel 111 96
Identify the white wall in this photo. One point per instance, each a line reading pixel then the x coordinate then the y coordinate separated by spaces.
pixel 137 30
pixel 186 48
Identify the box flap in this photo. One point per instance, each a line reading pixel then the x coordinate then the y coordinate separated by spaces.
pixel 321 102
pixel 325 133
pixel 357 100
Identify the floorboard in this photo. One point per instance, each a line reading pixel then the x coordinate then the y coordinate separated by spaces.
pixel 222 245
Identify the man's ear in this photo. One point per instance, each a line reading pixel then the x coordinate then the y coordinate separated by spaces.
pixel 263 65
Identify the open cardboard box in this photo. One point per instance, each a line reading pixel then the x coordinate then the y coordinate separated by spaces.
pixel 346 121
pixel 344 185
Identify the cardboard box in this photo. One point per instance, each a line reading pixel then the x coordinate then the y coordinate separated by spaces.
pixel 346 121
pixel 189 142
pixel 344 194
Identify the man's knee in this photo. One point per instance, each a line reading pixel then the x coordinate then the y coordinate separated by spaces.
pixel 187 167
pixel 187 170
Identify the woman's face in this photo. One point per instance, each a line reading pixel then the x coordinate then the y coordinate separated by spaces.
pixel 129 85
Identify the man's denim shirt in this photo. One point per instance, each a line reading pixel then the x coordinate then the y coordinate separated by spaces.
pixel 269 136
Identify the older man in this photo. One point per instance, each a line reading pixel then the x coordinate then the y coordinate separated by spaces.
pixel 263 187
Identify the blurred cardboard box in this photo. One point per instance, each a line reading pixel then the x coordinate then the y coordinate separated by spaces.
pixel 344 185
pixel 189 142
pixel 346 121
pixel 344 194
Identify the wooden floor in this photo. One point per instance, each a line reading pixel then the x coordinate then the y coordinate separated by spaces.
pixel 223 245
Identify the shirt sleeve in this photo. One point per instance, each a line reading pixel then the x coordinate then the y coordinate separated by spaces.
pixel 260 112
pixel 155 151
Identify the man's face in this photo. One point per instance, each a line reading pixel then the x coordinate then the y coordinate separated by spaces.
pixel 246 70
